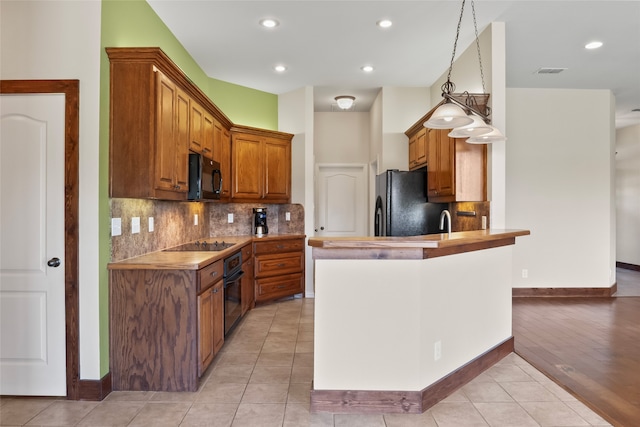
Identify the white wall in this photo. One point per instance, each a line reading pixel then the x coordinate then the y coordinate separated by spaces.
pixel 559 186
pixel 61 40
pixel 628 195
pixel 401 107
pixel 341 137
pixel 295 115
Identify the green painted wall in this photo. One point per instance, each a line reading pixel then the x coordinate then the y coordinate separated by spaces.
pixel 134 23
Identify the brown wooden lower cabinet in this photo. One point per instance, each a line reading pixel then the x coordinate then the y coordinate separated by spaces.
pixel 166 326
pixel 279 268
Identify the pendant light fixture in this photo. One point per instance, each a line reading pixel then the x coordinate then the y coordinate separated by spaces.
pixel 462 112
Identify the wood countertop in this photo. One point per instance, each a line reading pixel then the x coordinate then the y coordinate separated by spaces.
pixel 193 260
pixel 411 247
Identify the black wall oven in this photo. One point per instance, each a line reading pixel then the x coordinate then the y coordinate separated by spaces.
pixel 232 291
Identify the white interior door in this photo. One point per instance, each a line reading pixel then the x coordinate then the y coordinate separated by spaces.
pixel 341 204
pixel 32 288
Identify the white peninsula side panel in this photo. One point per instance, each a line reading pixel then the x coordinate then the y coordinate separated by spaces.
pixel 378 323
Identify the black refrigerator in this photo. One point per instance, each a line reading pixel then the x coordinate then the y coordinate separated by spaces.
pixel 401 207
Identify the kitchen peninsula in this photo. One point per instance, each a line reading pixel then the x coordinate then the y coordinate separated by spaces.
pixel 402 322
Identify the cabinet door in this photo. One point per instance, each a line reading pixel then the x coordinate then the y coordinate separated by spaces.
pixel 446 164
pixel 172 136
pixel 195 127
pixel 182 142
pixel 412 152
pixel 205 330
pixel 165 133
pixel 432 162
pixel 247 159
pixel 208 128
pixel 218 316
pixel 421 148
pixel 225 164
pixel 418 150
pixel 277 162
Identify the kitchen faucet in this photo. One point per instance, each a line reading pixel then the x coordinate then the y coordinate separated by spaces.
pixel 448 215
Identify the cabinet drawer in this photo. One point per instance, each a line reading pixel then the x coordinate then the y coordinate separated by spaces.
pixel 210 275
pixel 277 264
pixel 247 253
pixel 277 287
pixel 291 245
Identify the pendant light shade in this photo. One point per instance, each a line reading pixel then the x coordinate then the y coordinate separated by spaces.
pixel 494 136
pixel 476 128
pixel 448 116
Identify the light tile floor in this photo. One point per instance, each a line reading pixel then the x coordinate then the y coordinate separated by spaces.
pixel 263 377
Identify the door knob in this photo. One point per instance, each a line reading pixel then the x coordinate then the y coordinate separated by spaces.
pixel 54 262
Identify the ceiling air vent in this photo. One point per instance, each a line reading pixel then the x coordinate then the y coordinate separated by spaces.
pixel 549 70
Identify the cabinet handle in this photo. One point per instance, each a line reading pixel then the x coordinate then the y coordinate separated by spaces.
pixel 279 246
pixel 281 264
pixel 215 291
pixel 281 286
pixel 214 273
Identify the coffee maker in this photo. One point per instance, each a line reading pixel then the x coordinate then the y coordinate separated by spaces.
pixel 260 221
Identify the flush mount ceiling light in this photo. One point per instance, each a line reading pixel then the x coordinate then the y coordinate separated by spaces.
pixel 593 45
pixel 466 113
pixel 269 23
pixel 345 101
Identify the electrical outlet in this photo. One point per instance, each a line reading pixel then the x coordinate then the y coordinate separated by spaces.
pixel 230 218
pixel 135 225
pixel 116 226
pixel 525 273
pixel 195 219
pixel 151 225
pixel 437 350
pixel 484 222
pixel 287 216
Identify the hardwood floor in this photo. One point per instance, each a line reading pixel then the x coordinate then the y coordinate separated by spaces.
pixel 589 346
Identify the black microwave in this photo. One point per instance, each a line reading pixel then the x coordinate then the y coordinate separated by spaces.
pixel 205 178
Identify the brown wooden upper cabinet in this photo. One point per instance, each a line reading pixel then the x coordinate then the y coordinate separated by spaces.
pixel 201 131
pixel 156 116
pixel 260 165
pixel 418 150
pixel 456 171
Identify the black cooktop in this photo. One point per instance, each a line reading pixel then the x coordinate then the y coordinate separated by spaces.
pixel 201 246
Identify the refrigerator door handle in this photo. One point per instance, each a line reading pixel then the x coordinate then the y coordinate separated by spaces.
pixel 378 218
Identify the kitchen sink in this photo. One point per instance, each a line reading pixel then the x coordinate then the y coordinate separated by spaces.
pixel 198 246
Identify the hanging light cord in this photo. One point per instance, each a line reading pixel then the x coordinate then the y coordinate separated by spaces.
pixel 449 87
pixel 475 26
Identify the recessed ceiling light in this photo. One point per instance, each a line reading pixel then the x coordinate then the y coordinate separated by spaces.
pixel 280 68
pixel 269 23
pixel 384 23
pixel 593 45
pixel 367 68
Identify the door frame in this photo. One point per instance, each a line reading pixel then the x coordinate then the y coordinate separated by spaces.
pixel 71 89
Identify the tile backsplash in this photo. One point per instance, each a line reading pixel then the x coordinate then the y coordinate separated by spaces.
pixel 174 223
